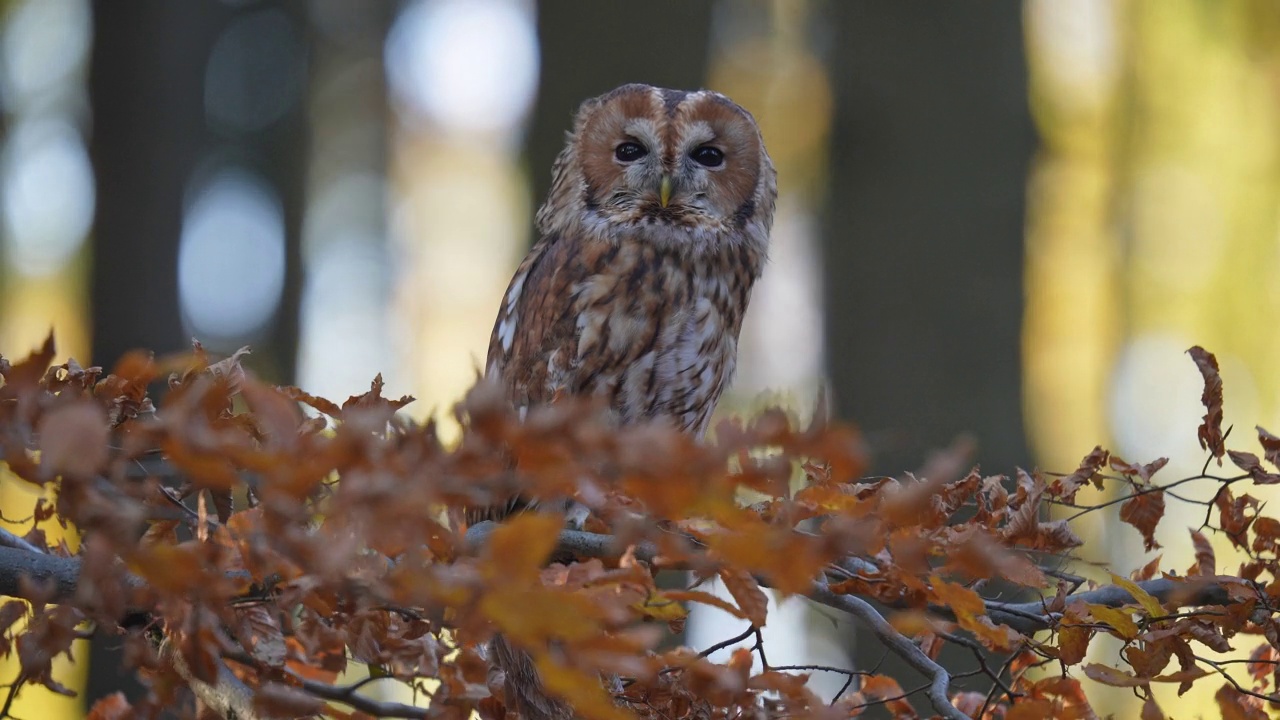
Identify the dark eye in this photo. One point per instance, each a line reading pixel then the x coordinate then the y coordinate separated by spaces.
pixel 708 156
pixel 630 152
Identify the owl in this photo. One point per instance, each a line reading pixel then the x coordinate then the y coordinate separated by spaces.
pixel 656 228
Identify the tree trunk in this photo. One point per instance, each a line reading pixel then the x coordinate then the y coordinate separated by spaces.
pixel 924 229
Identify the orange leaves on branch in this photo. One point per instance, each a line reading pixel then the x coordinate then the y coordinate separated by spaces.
pixel 374 400
pixel 705 598
pixel 1235 705
pixel 1142 472
pixel 318 404
pixel 747 593
pixel 884 689
pixel 1074 634
pixel 1143 511
pixel 260 633
pixel 1145 507
pixel 355 549
pixel 73 440
pixel 1119 620
pixel 1025 529
pixel 1052 697
pixel 229 370
pixel 26 374
pixel 112 707
pixel 1148 659
pixel 1206 565
pixel 1112 676
pixel 518 548
pixel 1270 447
pixel 1067 487
pixel 974 552
pixel 1249 463
pixel 1210 431
pixel 1232 517
pixel 582 690
pixel 1142 597
pixel 970 612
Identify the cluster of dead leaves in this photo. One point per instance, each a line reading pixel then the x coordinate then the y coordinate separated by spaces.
pixel 241 525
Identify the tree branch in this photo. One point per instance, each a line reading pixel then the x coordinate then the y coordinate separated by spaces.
pixel 8 539
pixel 16 563
pixel 233 696
pixel 349 696
pixel 1026 617
pixel 939 678
pixel 1029 617
pixel 227 696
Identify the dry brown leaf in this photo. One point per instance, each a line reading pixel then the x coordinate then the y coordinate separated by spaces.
pixel 73 440
pixel 1206 564
pixel 1143 511
pixel 747 593
pixel 1210 431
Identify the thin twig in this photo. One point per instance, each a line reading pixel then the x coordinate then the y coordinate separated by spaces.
pixel 348 695
pixel 726 643
pixel 12 695
pixel 1216 665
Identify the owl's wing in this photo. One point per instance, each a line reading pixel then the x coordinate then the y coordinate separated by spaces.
pixel 535 316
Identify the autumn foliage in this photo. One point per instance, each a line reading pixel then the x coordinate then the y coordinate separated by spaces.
pixel 255 547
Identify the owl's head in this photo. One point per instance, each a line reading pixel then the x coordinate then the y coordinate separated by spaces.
pixel 666 166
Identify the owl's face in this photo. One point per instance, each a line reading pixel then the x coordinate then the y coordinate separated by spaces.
pixel 676 165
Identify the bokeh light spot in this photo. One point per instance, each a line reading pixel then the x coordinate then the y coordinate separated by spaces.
pixel 48 195
pixel 231 260
pixel 465 64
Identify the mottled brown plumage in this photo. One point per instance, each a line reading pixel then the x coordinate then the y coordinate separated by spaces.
pixel 624 296
pixel 655 229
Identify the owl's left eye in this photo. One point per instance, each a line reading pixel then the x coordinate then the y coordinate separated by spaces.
pixel 629 152
pixel 708 156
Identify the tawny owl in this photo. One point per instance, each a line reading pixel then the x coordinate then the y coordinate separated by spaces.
pixel 656 227
pixel 655 230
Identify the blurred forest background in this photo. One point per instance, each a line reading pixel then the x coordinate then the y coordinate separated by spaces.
pixel 1002 219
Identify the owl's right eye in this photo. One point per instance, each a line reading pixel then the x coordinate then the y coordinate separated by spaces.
pixel 629 152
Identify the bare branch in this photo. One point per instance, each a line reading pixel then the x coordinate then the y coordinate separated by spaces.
pixel 939 678
pixel 8 539
pixel 228 696
pixel 1030 617
pixel 348 695
pixel 43 567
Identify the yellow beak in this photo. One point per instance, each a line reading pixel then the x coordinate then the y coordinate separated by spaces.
pixel 664 191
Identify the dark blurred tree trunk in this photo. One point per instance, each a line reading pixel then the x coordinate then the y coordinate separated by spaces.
pixel 591 47
pixel 146 89
pixel 280 153
pixel 924 229
pixel 149 134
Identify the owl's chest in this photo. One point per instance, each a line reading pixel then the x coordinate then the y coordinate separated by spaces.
pixel 657 334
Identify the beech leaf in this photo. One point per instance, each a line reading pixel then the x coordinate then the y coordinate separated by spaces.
pixel 1210 431
pixel 746 591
